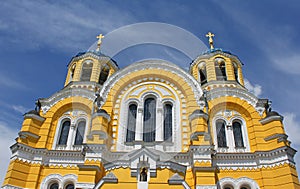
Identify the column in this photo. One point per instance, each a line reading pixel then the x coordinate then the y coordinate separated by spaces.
pixel 71 136
pixel 139 125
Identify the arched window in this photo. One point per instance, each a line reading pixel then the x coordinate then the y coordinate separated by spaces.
pixel 54 186
pixel 103 74
pixel 236 72
pixel 237 133
pixel 86 71
pixel 72 71
pixel 221 136
pixel 80 133
pixel 131 123
pixel 168 122
pixel 149 120
pixel 70 186
pixel 220 68
pixel 202 73
pixel 63 137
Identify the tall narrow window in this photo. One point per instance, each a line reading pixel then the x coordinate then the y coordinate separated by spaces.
pixel 149 120
pixel 236 73
pixel 80 133
pixel 63 138
pixel 72 71
pixel 168 122
pixel 202 73
pixel 131 123
pixel 221 136
pixel 237 133
pixel 220 68
pixel 86 71
pixel 104 74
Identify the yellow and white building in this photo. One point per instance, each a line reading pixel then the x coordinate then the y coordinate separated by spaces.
pixel 153 125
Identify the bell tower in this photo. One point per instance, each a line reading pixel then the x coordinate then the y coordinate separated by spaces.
pixel 216 67
pixel 91 67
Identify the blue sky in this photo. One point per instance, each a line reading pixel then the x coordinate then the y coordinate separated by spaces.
pixel 38 39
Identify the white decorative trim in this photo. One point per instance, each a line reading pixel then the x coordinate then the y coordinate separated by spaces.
pixel 85 185
pixel 125 100
pixel 257 160
pixel 75 116
pixel 152 64
pixel 70 91
pixel 61 180
pixel 8 186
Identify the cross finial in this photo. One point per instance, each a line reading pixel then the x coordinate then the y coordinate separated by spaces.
pixel 99 37
pixel 210 39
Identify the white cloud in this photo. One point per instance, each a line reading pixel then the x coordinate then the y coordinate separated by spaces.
pixel 255 89
pixel 6 81
pixel 275 40
pixel 7 136
pixel 289 64
pixel 60 25
pixel 292 128
pixel 19 108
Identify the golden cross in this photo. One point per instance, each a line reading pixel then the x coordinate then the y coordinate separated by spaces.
pixel 99 37
pixel 210 39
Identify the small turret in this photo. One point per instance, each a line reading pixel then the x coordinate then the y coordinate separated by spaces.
pixel 216 66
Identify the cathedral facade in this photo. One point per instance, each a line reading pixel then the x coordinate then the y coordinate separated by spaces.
pixel 152 125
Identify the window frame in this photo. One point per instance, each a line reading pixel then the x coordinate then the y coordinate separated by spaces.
pixel 170 138
pixel 202 71
pixel 231 147
pixel 220 69
pixel 88 62
pixel 127 122
pixel 61 125
pixel 152 134
pixel 78 121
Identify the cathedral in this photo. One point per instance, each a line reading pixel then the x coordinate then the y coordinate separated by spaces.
pixel 152 125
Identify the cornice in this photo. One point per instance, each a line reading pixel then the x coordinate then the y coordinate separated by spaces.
pixel 269 119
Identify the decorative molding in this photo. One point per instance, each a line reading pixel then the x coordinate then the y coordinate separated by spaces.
pixel 256 160
pixel 152 64
pixel 198 114
pixel 237 183
pixel 175 179
pixel 8 186
pixel 26 134
pixel 34 116
pixel 67 92
pixel 110 178
pixel 85 185
pixel 96 55
pixel 243 94
pixel 269 119
pixel 279 137
pixel 102 114
pixel 61 180
pixel 209 54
